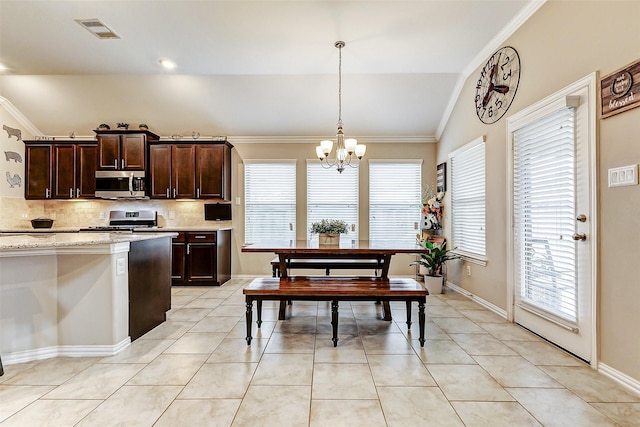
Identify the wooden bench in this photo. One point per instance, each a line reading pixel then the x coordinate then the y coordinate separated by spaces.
pixel 334 289
pixel 326 264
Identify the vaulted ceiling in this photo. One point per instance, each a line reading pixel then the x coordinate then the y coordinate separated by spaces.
pixel 258 68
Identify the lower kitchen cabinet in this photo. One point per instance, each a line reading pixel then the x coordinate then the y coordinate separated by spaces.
pixel 201 258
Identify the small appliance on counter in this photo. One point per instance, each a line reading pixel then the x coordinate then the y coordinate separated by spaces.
pixel 217 212
pixel 127 221
pixel 41 222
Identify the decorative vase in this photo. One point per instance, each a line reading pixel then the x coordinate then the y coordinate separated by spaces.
pixel 433 284
pixel 325 239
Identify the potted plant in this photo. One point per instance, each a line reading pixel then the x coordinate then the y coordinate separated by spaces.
pixel 104 126
pixel 123 126
pixel 143 126
pixel 433 260
pixel 329 231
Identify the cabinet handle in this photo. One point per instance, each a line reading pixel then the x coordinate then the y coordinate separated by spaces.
pixel 71 193
pixel 115 163
pixel 200 237
pixel 197 193
pixel 78 192
pixel 47 193
pixel 122 163
pixel 167 193
pixel 174 193
pixel 188 248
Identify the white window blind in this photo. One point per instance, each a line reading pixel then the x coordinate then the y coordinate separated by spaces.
pixel 468 198
pixel 332 195
pixel 269 200
pixel 394 199
pixel 544 206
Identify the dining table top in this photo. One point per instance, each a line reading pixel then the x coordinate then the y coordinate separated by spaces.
pixel 346 246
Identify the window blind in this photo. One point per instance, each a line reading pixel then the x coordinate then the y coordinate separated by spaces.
pixel 544 213
pixel 394 199
pixel 468 198
pixel 270 200
pixel 332 195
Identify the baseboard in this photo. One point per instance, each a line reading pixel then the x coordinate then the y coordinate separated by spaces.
pixel 630 384
pixel 65 351
pixel 486 304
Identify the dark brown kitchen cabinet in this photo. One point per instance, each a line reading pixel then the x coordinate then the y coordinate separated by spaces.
pixel 60 170
pixel 201 258
pixel 190 171
pixel 123 149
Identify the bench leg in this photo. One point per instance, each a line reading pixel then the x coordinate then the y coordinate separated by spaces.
pixel 249 315
pixel 421 318
pixel 259 310
pixel 386 309
pixel 334 321
pixel 408 314
pixel 1 368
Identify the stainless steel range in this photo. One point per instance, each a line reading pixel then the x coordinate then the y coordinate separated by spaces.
pixel 127 221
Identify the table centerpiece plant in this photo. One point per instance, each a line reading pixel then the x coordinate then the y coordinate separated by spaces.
pixel 433 260
pixel 329 231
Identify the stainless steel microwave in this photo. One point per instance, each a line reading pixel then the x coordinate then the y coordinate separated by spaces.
pixel 120 184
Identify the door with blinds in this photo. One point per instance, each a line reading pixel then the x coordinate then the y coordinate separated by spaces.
pixel 552 261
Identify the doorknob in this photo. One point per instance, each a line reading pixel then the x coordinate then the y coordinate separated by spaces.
pixel 580 236
pixel 581 218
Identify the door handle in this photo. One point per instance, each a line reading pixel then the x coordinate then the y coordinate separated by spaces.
pixel 581 218
pixel 580 236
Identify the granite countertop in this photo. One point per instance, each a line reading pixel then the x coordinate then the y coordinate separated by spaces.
pixel 54 240
pixel 167 229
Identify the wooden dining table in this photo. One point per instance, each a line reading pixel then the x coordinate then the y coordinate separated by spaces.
pixel 380 250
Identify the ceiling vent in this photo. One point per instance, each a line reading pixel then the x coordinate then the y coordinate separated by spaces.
pixel 97 28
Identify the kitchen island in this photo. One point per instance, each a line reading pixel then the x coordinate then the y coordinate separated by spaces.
pixel 80 294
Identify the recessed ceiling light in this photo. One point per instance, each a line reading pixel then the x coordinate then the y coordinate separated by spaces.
pixel 97 28
pixel 168 64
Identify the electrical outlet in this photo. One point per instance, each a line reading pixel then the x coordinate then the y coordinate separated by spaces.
pixel 237 201
pixel 101 215
pixel 468 270
pixel 24 215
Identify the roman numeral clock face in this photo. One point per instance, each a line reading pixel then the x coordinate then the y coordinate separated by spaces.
pixel 497 85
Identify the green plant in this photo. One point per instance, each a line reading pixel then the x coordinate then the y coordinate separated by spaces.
pixel 435 257
pixel 329 226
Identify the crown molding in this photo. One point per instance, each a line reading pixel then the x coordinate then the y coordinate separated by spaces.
pixel 11 109
pixel 317 139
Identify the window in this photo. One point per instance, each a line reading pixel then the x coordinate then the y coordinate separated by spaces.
pixel 332 195
pixel 468 199
pixel 394 199
pixel 269 200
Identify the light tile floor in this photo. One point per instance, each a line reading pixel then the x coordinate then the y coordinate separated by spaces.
pixel 196 370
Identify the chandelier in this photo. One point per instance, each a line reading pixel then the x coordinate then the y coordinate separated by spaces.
pixel 346 148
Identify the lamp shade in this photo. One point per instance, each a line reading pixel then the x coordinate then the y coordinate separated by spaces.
pixel 327 146
pixel 360 150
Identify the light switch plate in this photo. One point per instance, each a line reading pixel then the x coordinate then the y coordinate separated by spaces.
pixel 624 175
pixel 121 266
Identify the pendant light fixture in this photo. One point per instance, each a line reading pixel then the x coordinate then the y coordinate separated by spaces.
pixel 345 148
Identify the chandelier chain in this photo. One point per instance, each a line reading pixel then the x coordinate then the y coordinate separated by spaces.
pixel 340 85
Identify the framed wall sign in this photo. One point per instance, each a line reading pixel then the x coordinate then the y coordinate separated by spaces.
pixel 441 177
pixel 619 90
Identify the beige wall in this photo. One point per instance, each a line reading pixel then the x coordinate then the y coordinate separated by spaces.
pixel 258 264
pixel 563 42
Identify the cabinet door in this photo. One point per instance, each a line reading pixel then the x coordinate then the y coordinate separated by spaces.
pixel 38 171
pixel 108 152
pixel 211 171
pixel 178 264
pixel 133 155
pixel 201 262
pixel 86 162
pixel 160 171
pixel 64 171
pixel 183 168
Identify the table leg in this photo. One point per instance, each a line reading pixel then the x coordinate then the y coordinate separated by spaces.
pixel 421 318
pixel 408 313
pixel 259 309
pixel 386 310
pixel 283 307
pixel 249 315
pixel 1 368
pixel 334 321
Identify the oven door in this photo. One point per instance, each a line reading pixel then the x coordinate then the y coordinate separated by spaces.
pixel 119 184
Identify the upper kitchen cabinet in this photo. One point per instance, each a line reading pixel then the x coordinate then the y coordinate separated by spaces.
pixel 61 170
pixel 190 171
pixel 123 149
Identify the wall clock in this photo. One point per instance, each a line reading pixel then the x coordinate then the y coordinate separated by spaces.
pixel 497 85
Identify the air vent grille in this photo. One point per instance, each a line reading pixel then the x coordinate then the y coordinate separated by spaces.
pixel 97 28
